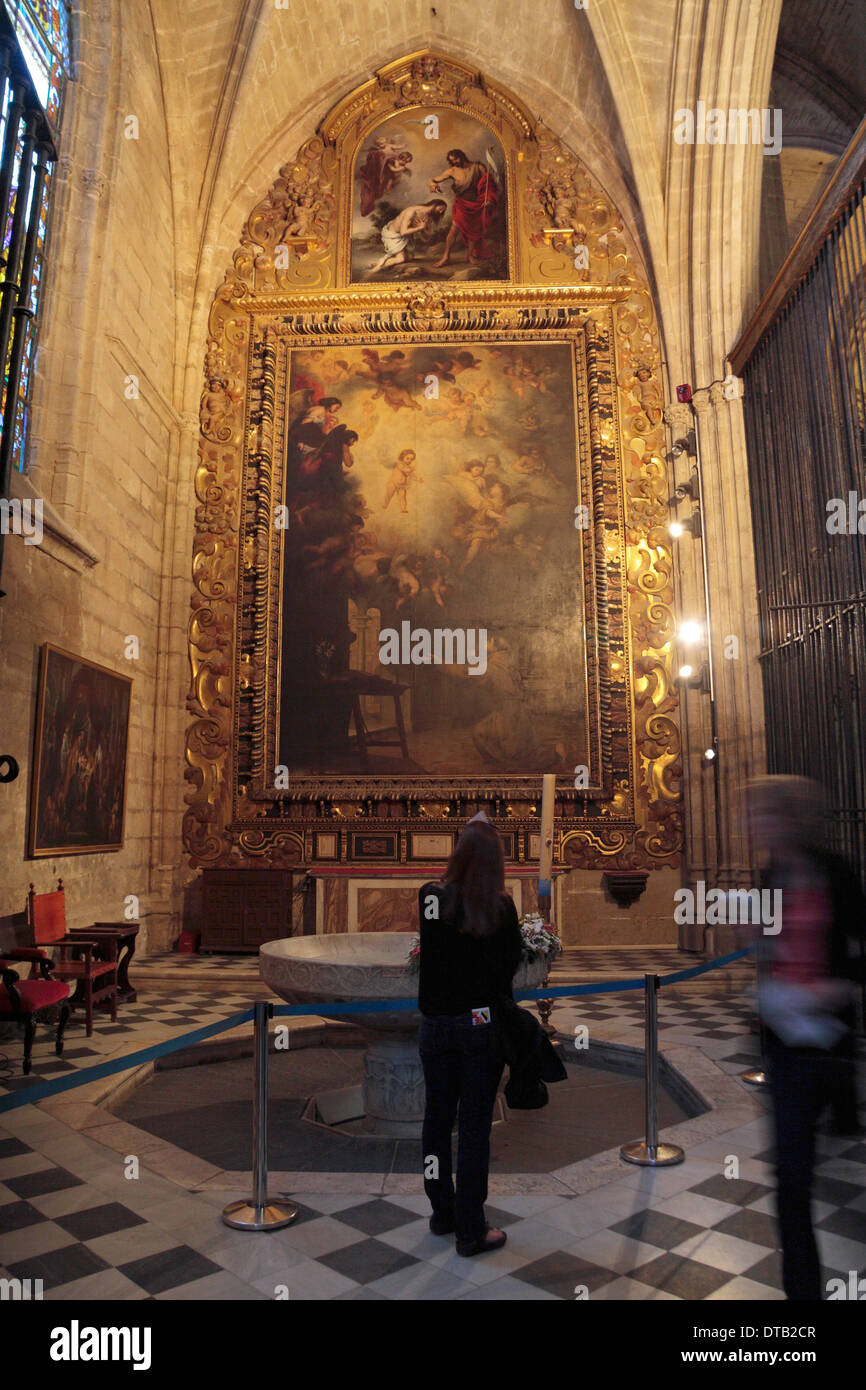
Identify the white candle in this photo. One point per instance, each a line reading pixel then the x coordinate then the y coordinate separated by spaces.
pixel 548 796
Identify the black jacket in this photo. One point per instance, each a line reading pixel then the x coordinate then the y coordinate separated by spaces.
pixel 529 1054
pixel 459 972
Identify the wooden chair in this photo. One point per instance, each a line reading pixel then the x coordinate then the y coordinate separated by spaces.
pixel 77 956
pixel 358 684
pixel 28 1002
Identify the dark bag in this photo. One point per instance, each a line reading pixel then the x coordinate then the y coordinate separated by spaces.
pixel 521 1043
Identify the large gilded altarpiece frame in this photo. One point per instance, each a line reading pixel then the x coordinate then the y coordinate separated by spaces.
pixel 335 268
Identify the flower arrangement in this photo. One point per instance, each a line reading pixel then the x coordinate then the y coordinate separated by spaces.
pixel 539 940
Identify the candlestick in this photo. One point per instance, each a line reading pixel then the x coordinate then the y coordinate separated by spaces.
pixel 548 796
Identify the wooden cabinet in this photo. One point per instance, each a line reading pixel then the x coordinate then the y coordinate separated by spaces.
pixel 241 908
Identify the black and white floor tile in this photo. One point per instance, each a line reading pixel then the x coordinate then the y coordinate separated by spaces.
pixel 71 1217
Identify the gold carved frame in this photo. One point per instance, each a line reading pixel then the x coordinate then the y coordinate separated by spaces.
pixel 629 817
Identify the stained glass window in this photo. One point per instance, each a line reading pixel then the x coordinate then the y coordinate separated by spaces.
pixel 42 29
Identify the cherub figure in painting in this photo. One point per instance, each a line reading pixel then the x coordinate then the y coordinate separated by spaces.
pixel 533 464
pixel 448 366
pixel 462 407
pixel 440 563
pixel 474 422
pixel 386 371
pixel 402 473
pixel 386 163
pixel 405 572
pixel 484 527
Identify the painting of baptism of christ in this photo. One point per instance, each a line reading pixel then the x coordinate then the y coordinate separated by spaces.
pixel 429 208
pixel 432 605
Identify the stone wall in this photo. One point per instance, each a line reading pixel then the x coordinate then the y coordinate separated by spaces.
pixel 99 457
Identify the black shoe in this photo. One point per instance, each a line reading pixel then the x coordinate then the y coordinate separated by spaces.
pixel 441 1225
pixel 481 1244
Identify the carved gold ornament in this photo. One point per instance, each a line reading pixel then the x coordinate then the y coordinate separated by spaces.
pixel 574 271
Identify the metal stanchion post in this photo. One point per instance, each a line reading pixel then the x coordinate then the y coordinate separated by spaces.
pixel 260 1214
pixel 649 1153
pixel 757 1076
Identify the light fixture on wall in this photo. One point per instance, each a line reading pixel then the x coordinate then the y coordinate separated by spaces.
pixel 701 676
pixel 692 671
pixel 695 677
pixel 692 525
pixel 690 489
pixel 690 632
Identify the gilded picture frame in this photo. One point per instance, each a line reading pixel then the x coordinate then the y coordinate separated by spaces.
pixel 573 271
pixel 510 319
pixel 78 788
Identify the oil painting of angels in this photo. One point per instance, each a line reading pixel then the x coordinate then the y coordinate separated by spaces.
pixel 433 486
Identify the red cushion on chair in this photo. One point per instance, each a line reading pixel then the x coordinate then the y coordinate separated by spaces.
pixel 48 916
pixel 26 953
pixel 35 994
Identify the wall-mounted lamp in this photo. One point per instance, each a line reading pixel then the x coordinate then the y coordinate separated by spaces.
pixel 690 632
pixel 695 677
pixel 692 525
pixel 687 489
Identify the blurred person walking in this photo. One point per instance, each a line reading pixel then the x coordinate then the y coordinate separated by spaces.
pixel 806 1000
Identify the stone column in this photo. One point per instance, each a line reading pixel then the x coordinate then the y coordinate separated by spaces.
pixel 393 1085
pixel 718 849
pixel 168 872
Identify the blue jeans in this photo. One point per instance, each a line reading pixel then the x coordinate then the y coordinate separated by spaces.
pixel 461 1079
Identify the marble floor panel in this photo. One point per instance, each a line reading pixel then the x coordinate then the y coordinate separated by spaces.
pixel 72 1217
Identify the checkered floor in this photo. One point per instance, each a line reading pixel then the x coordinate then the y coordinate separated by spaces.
pixel 682 1233
pixel 71 1216
pixel 155 1011
pixel 198 966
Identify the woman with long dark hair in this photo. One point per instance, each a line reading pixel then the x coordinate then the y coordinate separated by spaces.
pixel 470 950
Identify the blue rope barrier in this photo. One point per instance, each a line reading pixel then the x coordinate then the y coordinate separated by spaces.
pixel 359 1006
pixel 29 1095
pixel 702 969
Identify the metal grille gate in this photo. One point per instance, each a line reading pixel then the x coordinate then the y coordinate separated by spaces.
pixel 805 415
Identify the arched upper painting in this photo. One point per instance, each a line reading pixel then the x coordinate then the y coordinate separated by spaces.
pixel 429 200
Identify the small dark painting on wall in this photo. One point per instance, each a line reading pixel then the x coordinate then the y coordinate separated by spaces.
pixel 79 781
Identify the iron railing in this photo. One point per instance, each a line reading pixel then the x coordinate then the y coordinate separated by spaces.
pixel 803 360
